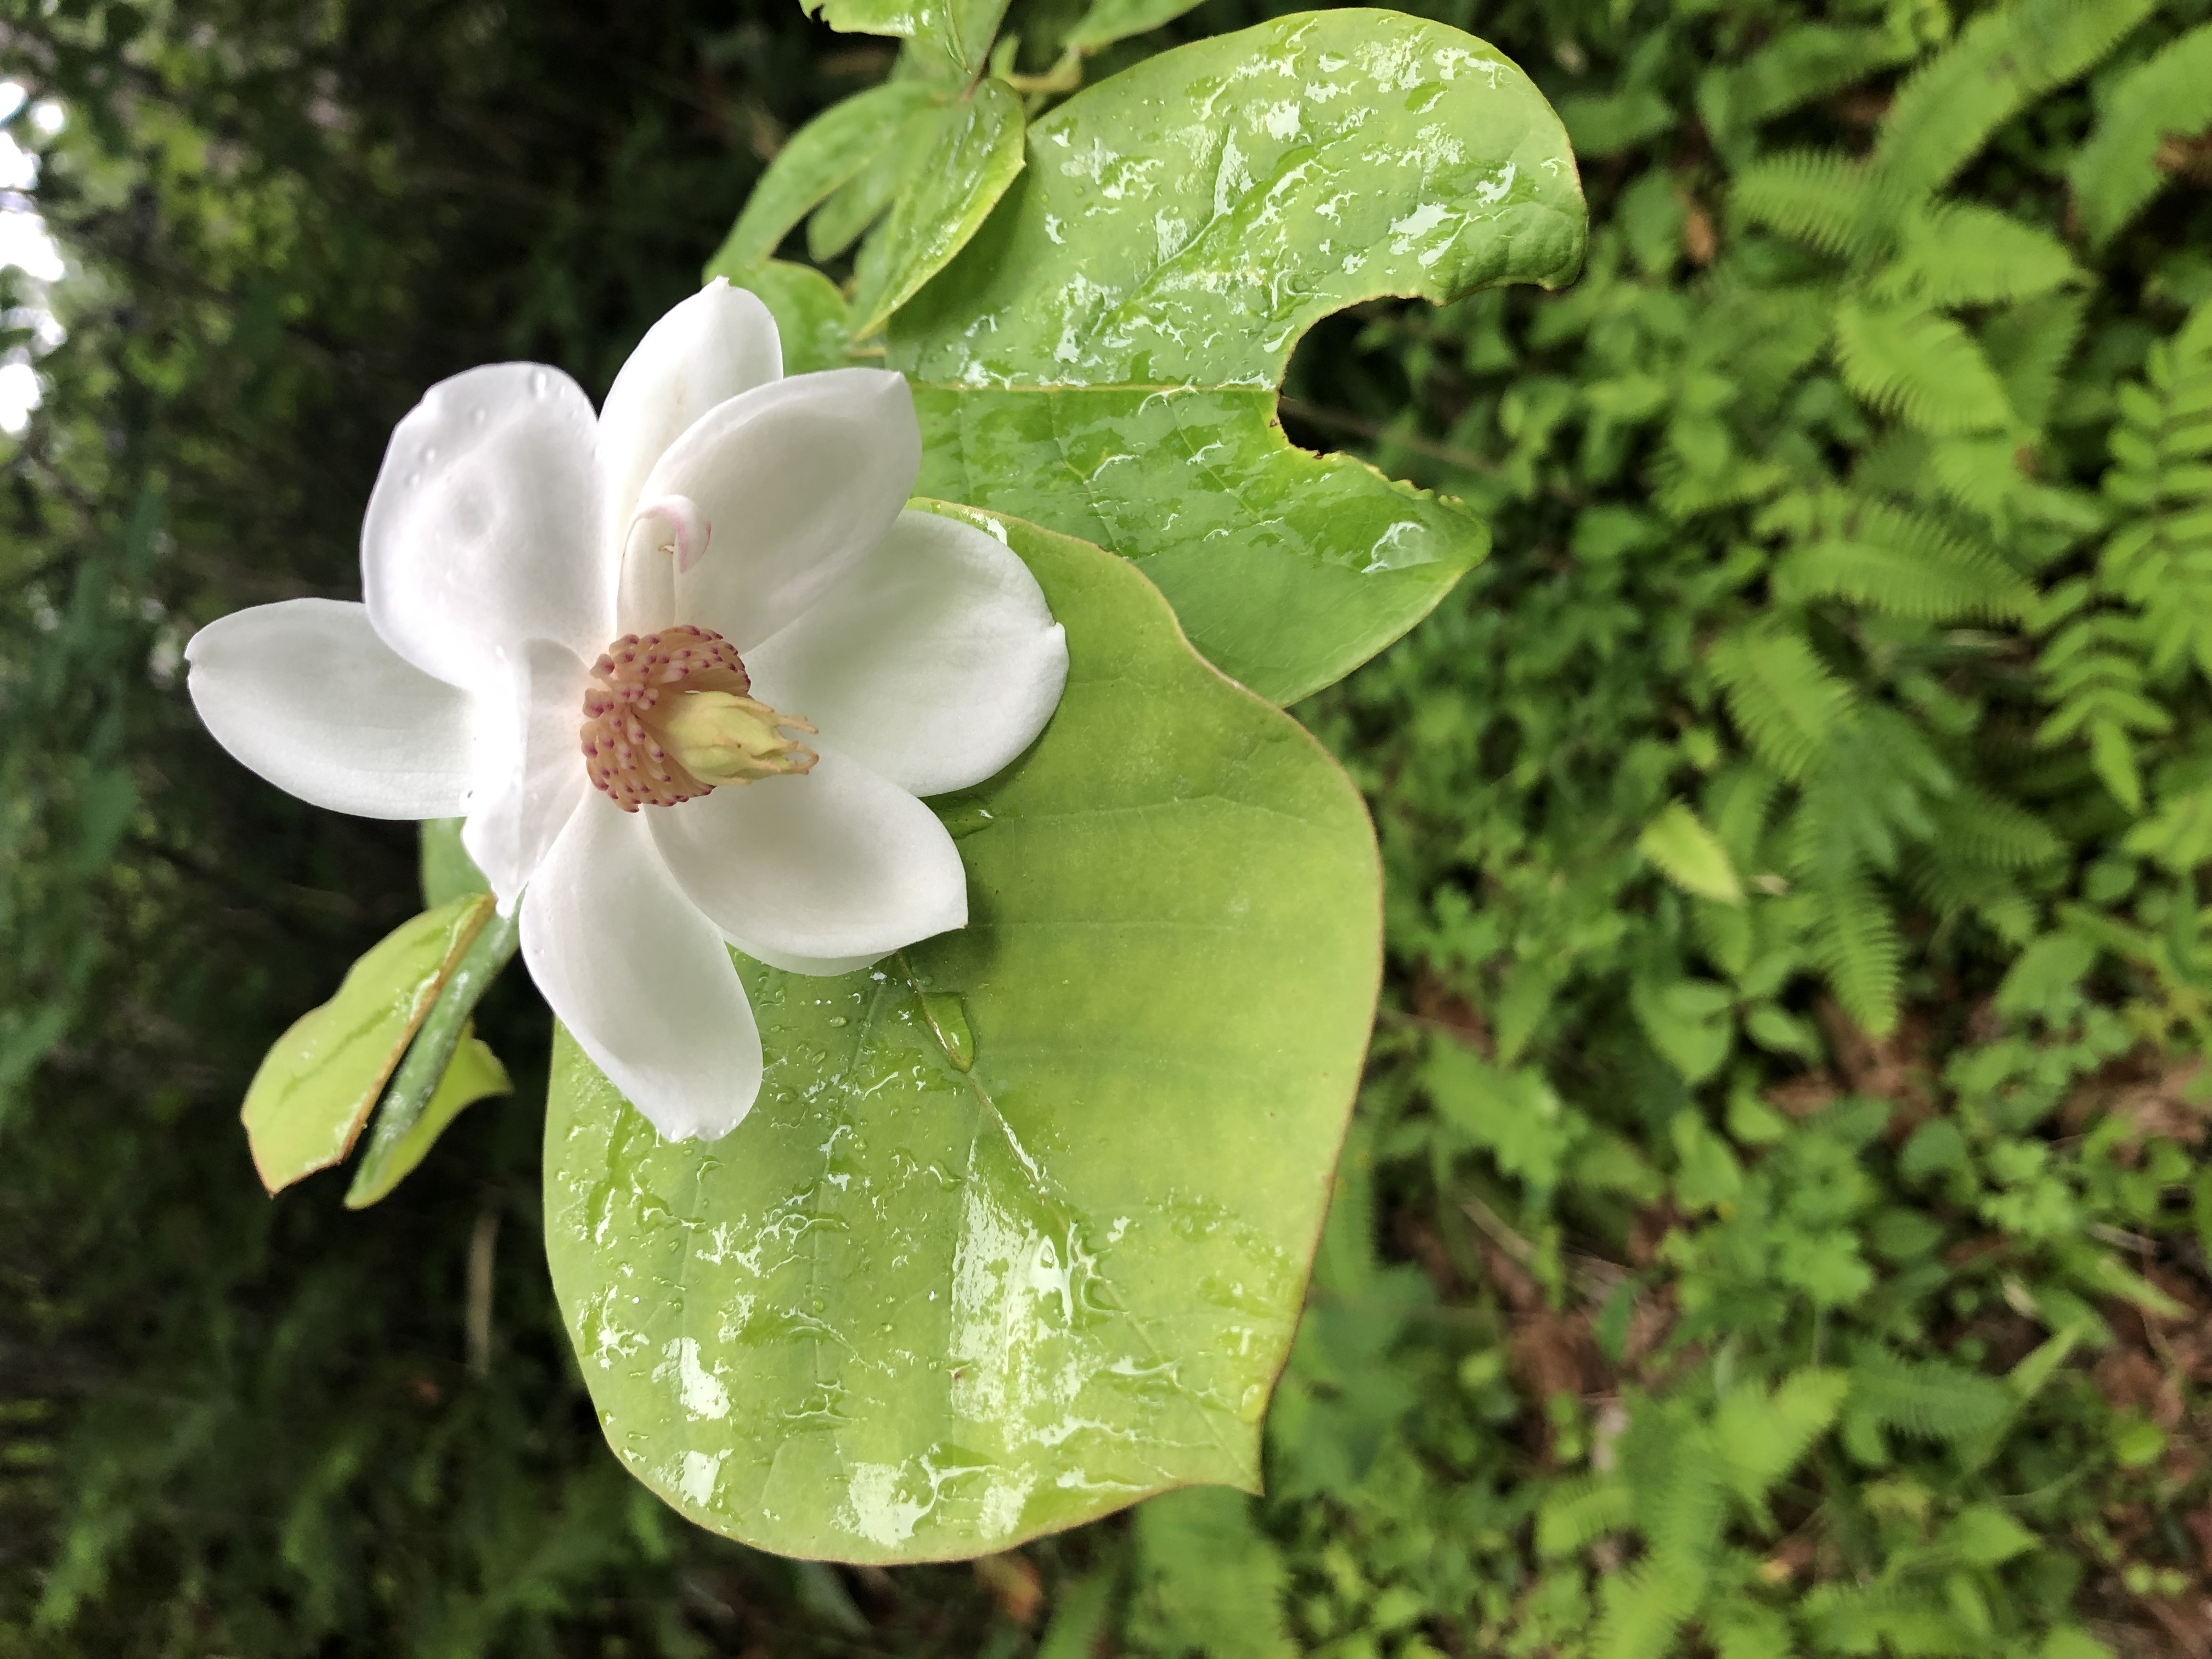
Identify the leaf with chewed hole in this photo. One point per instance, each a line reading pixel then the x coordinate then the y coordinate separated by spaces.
pixel 1018 1229
pixel 1102 357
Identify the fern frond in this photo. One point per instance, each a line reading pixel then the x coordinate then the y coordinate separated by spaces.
pixel 1798 66
pixel 1760 1437
pixel 1922 366
pixel 2030 345
pixel 1975 827
pixel 1855 942
pixel 1962 253
pixel 1897 583
pixel 1781 698
pixel 1643 1608
pixel 1943 115
pixel 2115 172
pixel 1576 1514
pixel 1929 1400
pixel 1815 196
pixel 1950 887
pixel 2178 836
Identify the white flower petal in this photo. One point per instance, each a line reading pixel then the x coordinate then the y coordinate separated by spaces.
pixel 484 528
pixel 641 978
pixel 838 863
pixel 530 767
pixel 816 967
pixel 800 480
pixel 306 694
pixel 933 662
pixel 716 344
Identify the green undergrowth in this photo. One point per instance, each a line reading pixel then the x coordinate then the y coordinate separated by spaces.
pixel 1776 1221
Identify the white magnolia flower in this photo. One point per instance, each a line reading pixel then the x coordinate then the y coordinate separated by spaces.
pixel 661 601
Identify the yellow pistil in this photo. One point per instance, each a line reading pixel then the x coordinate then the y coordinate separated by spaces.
pixel 667 717
pixel 719 738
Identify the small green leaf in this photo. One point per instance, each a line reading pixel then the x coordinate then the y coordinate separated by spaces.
pixel 1109 21
pixel 1690 856
pixel 1103 357
pixel 811 318
pixel 307 1103
pixel 907 1310
pixel 952 37
pixel 977 154
pixel 1690 1022
pixel 813 163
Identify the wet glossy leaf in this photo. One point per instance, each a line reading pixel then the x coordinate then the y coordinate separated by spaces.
pixel 955 1282
pixel 977 154
pixel 307 1103
pixel 1102 357
pixel 815 162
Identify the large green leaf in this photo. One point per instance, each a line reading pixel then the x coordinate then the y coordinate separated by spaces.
pixel 315 1087
pixel 1019 1230
pixel 977 154
pixel 1102 357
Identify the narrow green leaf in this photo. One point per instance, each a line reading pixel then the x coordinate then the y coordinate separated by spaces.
pixel 472 1072
pixel 907 1312
pixel 1690 856
pixel 307 1103
pixel 813 162
pixel 977 154
pixel 1109 21
pixel 410 1120
pixel 1102 357
pixel 860 200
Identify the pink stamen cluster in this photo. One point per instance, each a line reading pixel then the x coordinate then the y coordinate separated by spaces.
pixel 623 754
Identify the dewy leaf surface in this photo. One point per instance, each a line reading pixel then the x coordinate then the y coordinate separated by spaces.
pixel 1102 357
pixel 1019 1230
pixel 315 1087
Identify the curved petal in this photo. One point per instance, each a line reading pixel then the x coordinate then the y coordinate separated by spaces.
pixel 799 480
pixel 483 531
pixel 530 767
pixel 641 979
pixel 306 694
pixel 719 343
pixel 933 662
pixel 837 863
pixel 814 966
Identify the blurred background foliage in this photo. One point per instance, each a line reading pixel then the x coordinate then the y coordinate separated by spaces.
pixel 1776 1221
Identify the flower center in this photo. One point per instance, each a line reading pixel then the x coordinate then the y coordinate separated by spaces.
pixel 666 717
